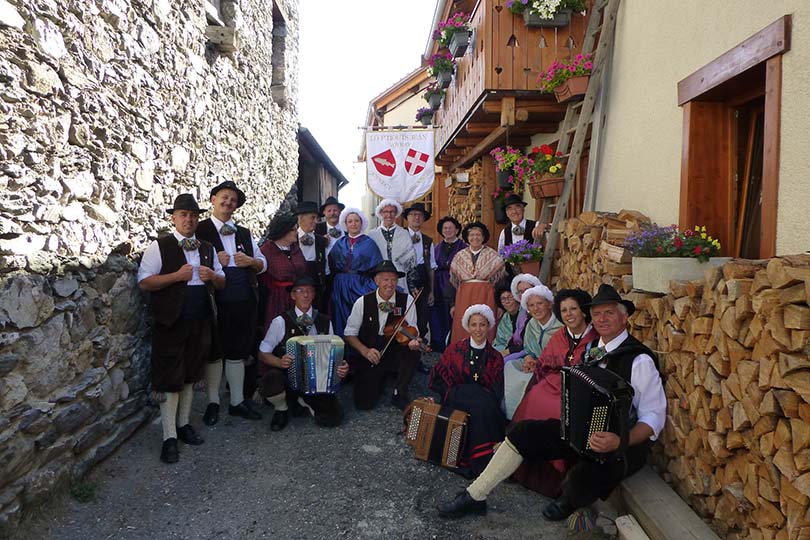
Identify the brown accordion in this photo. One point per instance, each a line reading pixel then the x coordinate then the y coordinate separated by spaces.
pixel 593 399
pixel 436 432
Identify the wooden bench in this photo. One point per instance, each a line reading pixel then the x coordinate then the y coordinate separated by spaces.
pixel 660 511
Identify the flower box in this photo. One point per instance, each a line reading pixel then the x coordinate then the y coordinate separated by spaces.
pixel 528 267
pixel 426 119
pixel 653 274
pixel 546 186
pixel 459 43
pixel 444 78
pixel 503 178
pixel 435 101
pixel 561 18
pixel 575 87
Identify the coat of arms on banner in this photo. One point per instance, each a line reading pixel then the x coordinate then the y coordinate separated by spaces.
pixel 385 163
pixel 415 161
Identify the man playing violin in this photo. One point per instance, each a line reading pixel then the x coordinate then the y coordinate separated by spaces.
pixel 366 327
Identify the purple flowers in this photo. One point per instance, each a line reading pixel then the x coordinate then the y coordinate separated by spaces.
pixel 521 251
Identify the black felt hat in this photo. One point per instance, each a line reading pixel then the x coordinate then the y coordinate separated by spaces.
pixel 229 184
pixel 304 281
pixel 331 200
pixel 582 298
pixel 416 207
pixel 386 266
pixel 307 207
pixel 608 295
pixel 444 220
pixel 185 201
pixel 512 199
pixel 465 233
pixel 281 225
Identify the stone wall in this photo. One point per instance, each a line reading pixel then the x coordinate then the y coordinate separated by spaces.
pixel 108 110
pixel 734 351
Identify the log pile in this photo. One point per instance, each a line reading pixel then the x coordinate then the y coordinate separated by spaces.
pixel 735 358
pixel 464 199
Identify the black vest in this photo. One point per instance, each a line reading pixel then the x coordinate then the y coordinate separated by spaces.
pixel 527 234
pixel 207 231
pixel 320 228
pixel 370 327
pixel 291 329
pixel 317 268
pixel 620 360
pixel 167 303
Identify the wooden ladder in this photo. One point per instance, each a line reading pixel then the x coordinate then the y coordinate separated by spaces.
pixel 579 115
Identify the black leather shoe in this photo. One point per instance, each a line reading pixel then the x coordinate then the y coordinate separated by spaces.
pixel 211 415
pixel 189 436
pixel 279 421
pixel 557 510
pixel 245 410
pixel 400 401
pixel 462 505
pixel 296 409
pixel 169 453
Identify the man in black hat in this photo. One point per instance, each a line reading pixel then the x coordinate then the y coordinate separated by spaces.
pixel 519 228
pixel 539 440
pixel 302 320
pixel 330 210
pixel 314 247
pixel 237 304
pixel 365 327
pixel 420 277
pixel 181 273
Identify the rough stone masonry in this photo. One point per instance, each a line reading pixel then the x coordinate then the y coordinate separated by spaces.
pixel 108 110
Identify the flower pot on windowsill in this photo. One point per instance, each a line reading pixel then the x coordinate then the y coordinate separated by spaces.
pixel 444 78
pixel 503 178
pixel 561 18
pixel 546 186
pixel 653 274
pixel 426 119
pixel 459 43
pixel 435 101
pixel 573 88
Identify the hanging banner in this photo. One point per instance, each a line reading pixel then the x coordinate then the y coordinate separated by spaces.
pixel 399 164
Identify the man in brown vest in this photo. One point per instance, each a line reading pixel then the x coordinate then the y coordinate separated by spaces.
pixel 237 304
pixel 181 273
pixel 302 320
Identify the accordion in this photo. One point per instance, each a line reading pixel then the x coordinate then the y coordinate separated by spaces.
pixel 436 432
pixel 593 399
pixel 315 363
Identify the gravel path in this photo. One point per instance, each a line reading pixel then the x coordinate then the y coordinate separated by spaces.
pixel 359 480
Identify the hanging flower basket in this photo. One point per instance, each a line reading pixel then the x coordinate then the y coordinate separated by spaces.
pixel 533 20
pixel 503 177
pixel 459 43
pixel 425 116
pixel 444 78
pixel 546 186
pixel 573 88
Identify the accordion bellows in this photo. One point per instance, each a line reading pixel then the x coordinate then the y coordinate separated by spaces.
pixel 437 433
pixel 315 363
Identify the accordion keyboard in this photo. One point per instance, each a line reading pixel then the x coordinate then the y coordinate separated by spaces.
pixel 599 422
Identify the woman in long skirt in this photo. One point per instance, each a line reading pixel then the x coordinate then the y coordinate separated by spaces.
pixel 444 251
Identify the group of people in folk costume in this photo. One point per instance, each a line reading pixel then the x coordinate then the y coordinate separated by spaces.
pixel 215 295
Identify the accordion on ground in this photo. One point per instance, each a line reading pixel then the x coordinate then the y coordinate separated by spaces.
pixel 315 363
pixel 593 399
pixel 437 433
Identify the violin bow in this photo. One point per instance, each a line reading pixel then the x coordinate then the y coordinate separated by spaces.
pixel 402 320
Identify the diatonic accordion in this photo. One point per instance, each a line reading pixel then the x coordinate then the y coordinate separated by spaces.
pixel 437 433
pixel 593 399
pixel 315 363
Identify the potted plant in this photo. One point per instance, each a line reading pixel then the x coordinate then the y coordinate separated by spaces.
pixel 566 79
pixel 433 95
pixel 454 34
pixel 664 254
pixel 545 13
pixel 424 115
pixel 442 65
pixel 548 168
pixel 524 256
pixel 505 159
pixel 498 197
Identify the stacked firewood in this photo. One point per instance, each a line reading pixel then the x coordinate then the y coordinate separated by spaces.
pixel 464 199
pixel 591 250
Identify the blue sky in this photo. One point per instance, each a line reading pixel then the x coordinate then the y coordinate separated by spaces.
pixel 349 53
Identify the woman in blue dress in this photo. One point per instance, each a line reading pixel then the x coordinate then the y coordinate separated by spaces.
pixel 350 260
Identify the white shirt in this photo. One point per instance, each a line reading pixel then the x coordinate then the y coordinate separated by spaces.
pixel 502 236
pixel 475 345
pixel 419 249
pixel 278 328
pixel 309 251
pixel 152 262
pixel 356 316
pixel 229 243
pixel 649 401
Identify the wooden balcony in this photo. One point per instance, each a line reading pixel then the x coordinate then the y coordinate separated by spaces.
pixel 493 97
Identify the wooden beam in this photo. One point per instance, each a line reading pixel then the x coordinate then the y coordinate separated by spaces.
pixel 480 128
pixel 770 158
pixel 480 148
pixel 771 41
pixel 508 112
pixel 466 141
pixel 494 107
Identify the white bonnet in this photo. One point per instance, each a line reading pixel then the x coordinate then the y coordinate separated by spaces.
pixel 524 278
pixel 538 290
pixel 387 202
pixel 345 213
pixel 481 309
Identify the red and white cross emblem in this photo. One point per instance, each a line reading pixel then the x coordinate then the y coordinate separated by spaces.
pixel 415 161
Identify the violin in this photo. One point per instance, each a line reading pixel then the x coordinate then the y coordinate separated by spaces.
pixel 403 332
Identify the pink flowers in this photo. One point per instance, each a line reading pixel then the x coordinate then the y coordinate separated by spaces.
pixel 561 71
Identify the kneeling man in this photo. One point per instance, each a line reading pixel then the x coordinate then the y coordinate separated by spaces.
pixel 302 320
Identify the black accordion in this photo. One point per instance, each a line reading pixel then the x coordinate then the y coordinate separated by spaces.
pixel 594 399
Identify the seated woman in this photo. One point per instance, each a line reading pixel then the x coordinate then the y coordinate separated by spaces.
pixel 469 377
pixel 510 309
pixel 519 284
pixel 542 398
pixel 542 325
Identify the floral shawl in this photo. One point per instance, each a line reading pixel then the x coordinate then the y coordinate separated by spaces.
pixel 489 267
